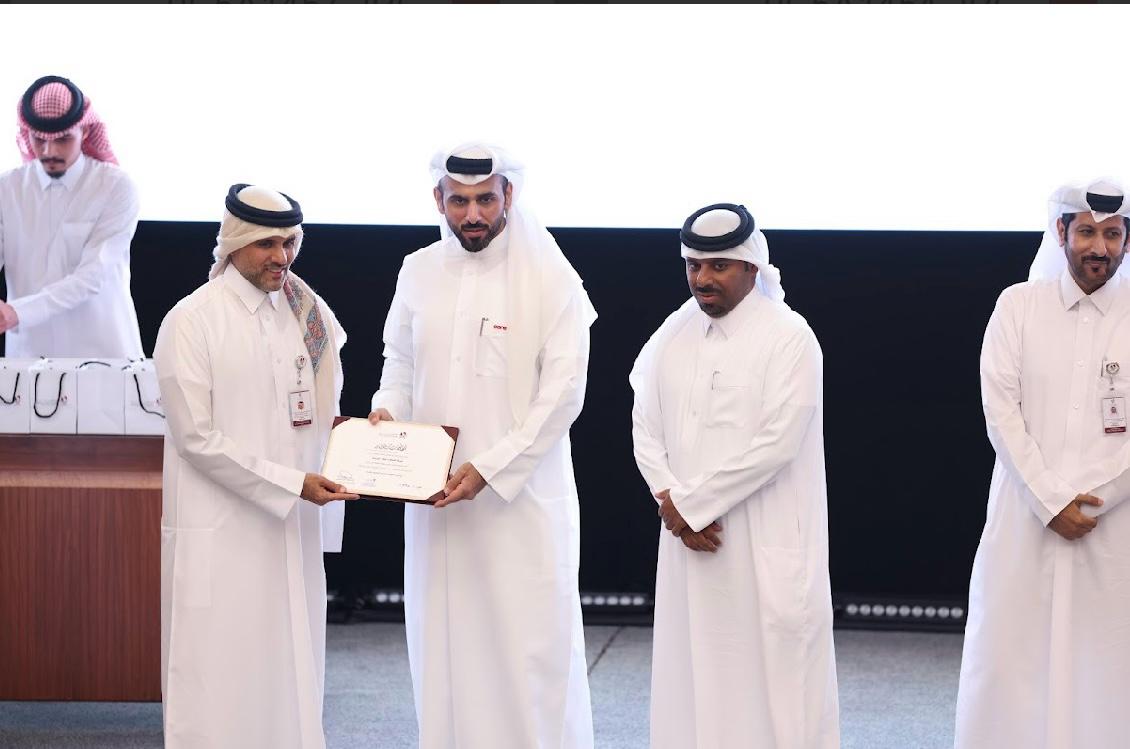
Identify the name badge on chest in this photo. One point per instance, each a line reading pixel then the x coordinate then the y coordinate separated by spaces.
pixel 1113 403
pixel 301 408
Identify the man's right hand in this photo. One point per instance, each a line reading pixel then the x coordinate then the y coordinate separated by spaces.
pixel 1071 523
pixel 320 490
pixel 705 540
pixel 8 317
pixel 381 414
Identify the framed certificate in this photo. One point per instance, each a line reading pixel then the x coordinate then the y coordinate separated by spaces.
pixel 399 460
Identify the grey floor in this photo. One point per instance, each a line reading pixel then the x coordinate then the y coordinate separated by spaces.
pixel 897 691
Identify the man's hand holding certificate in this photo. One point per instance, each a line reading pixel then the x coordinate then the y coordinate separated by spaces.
pixel 385 459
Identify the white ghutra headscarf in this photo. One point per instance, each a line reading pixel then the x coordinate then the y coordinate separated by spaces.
pixel 727 231
pixel 1102 198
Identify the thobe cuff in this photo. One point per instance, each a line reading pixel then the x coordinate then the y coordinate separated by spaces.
pixel 1112 493
pixel 660 481
pixel 1051 497
pixel 397 404
pixel 491 465
pixel 695 515
pixel 281 490
pixel 31 310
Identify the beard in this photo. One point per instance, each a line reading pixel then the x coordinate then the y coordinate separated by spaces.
pixel 55 168
pixel 477 244
pixel 1092 269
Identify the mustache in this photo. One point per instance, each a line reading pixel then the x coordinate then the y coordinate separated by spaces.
pixel 706 290
pixel 472 227
pixel 1095 259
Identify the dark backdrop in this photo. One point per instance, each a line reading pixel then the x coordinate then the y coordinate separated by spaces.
pixel 900 316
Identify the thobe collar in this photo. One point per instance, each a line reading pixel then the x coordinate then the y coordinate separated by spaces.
pixel 251 296
pixel 1102 297
pixel 733 321
pixel 68 180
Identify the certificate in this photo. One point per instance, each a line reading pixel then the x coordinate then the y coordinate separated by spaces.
pixel 399 460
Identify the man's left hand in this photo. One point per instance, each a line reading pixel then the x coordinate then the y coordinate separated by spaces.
pixel 671 517
pixel 465 483
pixel 8 317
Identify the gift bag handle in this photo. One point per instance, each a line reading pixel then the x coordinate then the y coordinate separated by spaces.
pixel 35 396
pixel 15 393
pixel 140 402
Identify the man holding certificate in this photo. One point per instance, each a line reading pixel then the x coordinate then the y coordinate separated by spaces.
pixel 250 376
pixel 489 332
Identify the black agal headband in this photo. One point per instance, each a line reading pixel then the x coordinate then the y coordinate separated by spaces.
pixel 1104 203
pixel 59 124
pixel 723 241
pixel 261 216
pixel 459 165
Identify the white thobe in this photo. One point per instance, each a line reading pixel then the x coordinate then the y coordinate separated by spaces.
pixel 495 639
pixel 1046 661
pixel 243 588
pixel 728 416
pixel 65 250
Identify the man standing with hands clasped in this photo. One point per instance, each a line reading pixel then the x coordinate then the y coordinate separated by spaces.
pixel 728 434
pixel 1046 661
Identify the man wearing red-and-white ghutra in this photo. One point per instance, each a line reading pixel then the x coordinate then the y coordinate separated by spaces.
pixel 1046 661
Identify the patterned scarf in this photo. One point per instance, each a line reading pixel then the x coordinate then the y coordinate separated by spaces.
pixel 302 304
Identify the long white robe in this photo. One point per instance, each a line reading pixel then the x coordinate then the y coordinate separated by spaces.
pixel 65 251
pixel 728 416
pixel 495 639
pixel 243 589
pixel 1046 661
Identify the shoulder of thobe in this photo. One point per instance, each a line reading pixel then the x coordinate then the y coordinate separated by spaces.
pixel 647 359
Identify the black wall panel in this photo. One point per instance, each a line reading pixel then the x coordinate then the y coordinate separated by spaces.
pixel 900 316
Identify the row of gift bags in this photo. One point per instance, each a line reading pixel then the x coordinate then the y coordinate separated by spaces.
pixel 79 396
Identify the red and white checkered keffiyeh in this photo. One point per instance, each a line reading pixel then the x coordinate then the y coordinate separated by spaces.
pixel 54 100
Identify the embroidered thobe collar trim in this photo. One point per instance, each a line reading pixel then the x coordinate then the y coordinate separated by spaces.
pixel 251 296
pixel 733 321
pixel 68 180
pixel 495 249
pixel 1101 297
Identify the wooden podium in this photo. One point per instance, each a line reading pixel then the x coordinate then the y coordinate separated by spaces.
pixel 80 567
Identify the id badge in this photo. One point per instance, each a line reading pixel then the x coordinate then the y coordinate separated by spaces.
pixel 1114 413
pixel 302 408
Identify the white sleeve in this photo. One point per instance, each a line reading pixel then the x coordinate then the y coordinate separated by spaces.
pixel 107 246
pixel 508 465
pixel 184 374
pixel 649 444
pixel 792 393
pixel 1002 400
pixel 395 393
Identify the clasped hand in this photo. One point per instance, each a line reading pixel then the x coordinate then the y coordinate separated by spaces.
pixel 708 539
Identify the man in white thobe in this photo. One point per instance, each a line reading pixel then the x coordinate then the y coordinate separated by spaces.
pixel 67 217
pixel 1046 661
pixel 727 428
pixel 489 331
pixel 245 517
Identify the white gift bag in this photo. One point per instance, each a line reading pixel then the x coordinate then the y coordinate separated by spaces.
pixel 51 389
pixel 144 414
pixel 15 401
pixel 101 397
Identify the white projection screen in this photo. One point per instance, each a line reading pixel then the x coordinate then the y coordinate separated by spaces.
pixel 816 117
